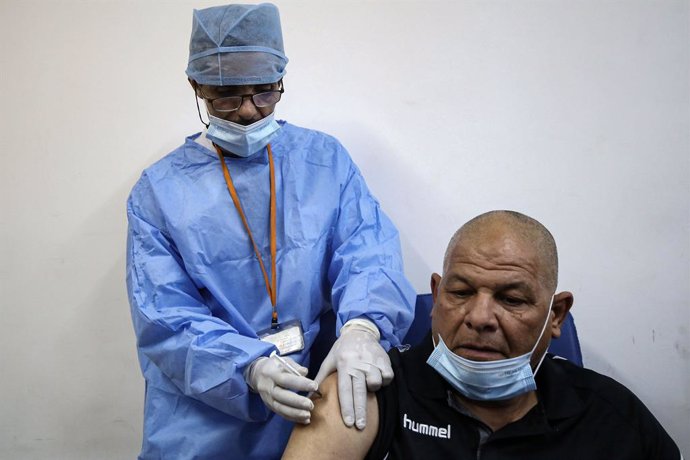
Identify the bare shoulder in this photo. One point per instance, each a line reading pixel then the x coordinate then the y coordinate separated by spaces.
pixel 327 437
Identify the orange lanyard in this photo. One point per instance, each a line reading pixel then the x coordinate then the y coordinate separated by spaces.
pixel 271 287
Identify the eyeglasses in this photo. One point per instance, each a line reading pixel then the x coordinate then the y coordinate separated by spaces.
pixel 260 100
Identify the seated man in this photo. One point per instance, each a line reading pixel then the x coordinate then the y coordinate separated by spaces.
pixel 482 383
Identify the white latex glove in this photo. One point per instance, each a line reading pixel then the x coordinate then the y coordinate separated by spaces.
pixel 277 385
pixel 362 365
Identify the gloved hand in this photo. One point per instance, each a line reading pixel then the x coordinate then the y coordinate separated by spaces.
pixel 277 385
pixel 362 364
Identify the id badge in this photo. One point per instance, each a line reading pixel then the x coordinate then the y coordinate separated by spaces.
pixel 287 337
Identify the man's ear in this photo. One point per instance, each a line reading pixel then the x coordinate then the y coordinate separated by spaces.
pixel 435 283
pixel 561 306
pixel 194 84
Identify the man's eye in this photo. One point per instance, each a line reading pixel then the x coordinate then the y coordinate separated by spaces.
pixel 461 293
pixel 512 301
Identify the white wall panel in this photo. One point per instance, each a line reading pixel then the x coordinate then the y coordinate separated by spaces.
pixel 576 113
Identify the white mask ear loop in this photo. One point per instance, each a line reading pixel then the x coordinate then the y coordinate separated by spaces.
pixel 543 328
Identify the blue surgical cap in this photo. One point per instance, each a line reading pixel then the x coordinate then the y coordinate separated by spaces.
pixel 236 45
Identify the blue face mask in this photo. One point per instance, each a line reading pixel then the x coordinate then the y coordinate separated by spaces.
pixel 242 140
pixel 487 380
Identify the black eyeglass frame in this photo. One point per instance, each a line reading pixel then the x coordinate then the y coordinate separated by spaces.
pixel 240 98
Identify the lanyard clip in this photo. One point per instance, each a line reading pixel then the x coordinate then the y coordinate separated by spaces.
pixel 274 319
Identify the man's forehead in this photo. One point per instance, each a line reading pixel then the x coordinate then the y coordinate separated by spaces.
pixel 500 252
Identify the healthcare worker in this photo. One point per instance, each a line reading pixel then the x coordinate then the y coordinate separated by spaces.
pixel 239 241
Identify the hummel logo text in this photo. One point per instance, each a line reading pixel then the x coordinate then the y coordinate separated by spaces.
pixel 423 428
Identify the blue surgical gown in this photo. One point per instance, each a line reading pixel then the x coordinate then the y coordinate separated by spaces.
pixel 198 297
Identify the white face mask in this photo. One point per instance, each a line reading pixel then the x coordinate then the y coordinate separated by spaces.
pixel 242 140
pixel 487 380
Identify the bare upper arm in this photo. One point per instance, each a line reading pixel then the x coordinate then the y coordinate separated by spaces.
pixel 327 437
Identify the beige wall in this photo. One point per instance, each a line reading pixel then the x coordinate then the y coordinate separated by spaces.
pixel 577 113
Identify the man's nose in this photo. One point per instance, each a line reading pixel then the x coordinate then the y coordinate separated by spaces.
pixel 481 313
pixel 248 112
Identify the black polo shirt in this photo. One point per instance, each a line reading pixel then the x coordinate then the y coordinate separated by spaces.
pixel 581 415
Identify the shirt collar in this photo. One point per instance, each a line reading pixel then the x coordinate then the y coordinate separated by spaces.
pixel 425 382
pixel 556 391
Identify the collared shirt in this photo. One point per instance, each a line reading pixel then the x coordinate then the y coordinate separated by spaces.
pixel 580 415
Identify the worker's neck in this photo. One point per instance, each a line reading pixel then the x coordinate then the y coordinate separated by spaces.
pixel 226 153
pixel 497 414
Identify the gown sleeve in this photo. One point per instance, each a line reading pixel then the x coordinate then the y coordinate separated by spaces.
pixel 202 355
pixel 366 269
